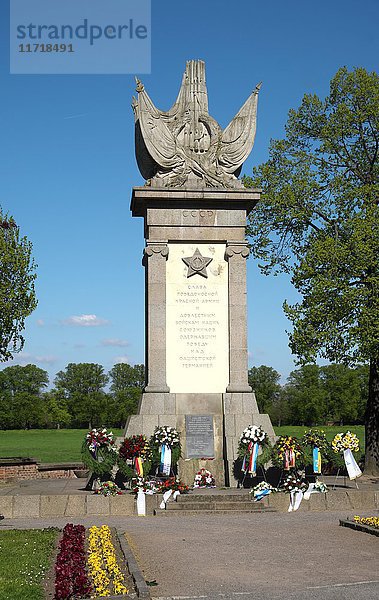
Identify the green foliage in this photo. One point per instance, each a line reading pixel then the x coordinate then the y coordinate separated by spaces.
pixel 265 383
pixel 17 295
pixel 25 558
pixel 319 221
pixel 126 387
pixel 82 385
pixel 21 399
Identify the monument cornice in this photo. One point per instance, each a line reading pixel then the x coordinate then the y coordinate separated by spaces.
pixel 146 197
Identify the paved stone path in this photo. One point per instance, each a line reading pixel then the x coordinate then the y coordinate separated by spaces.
pixel 274 556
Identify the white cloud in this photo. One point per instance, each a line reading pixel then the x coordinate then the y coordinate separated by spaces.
pixel 25 359
pixel 40 322
pixel 121 359
pixel 85 321
pixel 115 342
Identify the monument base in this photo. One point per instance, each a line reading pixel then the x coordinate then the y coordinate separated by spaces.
pixel 230 413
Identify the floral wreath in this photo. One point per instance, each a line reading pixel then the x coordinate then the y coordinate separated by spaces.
pixel 99 453
pixel 345 441
pixel 254 434
pixel 165 436
pixel 315 438
pixel 131 448
pixel 287 449
pixel 204 478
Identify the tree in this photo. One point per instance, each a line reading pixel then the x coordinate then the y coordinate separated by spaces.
pixel 343 393
pixel 56 409
pixel 265 383
pixel 17 295
pixel 306 396
pixel 319 221
pixel 126 387
pixel 82 386
pixel 21 398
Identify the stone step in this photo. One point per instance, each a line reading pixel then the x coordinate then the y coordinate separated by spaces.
pixel 212 506
pixel 184 498
pixel 219 511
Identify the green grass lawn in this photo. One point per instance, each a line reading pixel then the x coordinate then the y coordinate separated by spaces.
pixel 330 432
pixel 63 445
pixel 25 556
pixel 46 445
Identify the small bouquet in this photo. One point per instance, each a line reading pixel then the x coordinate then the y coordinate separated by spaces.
pixel 147 486
pixel 166 448
pixel 320 486
pixel 293 483
pixel 204 478
pixel 286 451
pixel 261 490
pixel 108 488
pixel 174 484
pixel 345 441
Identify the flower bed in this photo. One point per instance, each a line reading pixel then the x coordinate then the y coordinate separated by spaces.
pixel 71 580
pixel 104 571
pixel 95 573
pixel 371 521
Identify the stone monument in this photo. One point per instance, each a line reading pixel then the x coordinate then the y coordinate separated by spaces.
pixel 194 209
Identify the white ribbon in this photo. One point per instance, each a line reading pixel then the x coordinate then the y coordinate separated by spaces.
pixel 141 503
pixel 166 497
pixel 351 464
pixel 310 491
pixel 296 497
pixel 166 460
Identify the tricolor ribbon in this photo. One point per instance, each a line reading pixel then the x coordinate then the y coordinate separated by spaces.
pixel 316 460
pixel 253 458
pixel 165 466
pixel 351 464
pixel 138 464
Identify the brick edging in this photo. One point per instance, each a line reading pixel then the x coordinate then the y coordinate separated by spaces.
pixel 359 526
pixel 134 570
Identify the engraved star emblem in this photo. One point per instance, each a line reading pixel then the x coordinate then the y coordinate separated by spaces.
pixel 197 264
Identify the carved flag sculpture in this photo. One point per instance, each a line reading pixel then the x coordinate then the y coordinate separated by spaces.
pixel 185 146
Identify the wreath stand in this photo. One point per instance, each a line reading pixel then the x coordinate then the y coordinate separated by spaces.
pixel 344 480
pixel 240 483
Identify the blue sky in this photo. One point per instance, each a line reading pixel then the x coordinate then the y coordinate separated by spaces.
pixel 67 162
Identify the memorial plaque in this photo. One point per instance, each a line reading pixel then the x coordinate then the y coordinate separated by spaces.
pixel 197 324
pixel 199 436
